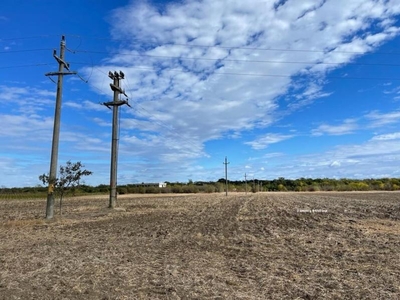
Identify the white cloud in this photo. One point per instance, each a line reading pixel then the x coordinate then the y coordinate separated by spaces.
pixel 335 164
pixel 102 122
pixel 374 119
pixel 86 104
pixel 186 94
pixel 313 91
pixel 197 97
pixel 265 141
pixel 394 90
pixel 8 93
pixel 381 119
pixel 73 105
pixel 26 100
pixel 373 158
pixel 273 155
pixel 386 137
pixel 350 159
pixel 25 128
pixel 347 127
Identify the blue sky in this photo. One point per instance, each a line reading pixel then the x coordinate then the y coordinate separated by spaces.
pixel 282 88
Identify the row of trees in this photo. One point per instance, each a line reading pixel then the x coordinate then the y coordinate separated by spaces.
pixel 69 181
pixel 280 184
pixel 324 184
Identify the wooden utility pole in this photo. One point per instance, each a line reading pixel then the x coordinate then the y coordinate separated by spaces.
pixel 56 129
pixel 115 104
pixel 226 175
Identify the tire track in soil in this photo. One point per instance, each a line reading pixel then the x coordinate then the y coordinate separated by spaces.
pixel 264 223
pixel 221 241
pixel 246 261
pixel 192 252
pixel 190 248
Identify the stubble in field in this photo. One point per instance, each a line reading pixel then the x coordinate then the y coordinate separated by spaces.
pixel 255 246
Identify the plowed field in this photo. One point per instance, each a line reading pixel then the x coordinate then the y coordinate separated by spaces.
pixel 254 246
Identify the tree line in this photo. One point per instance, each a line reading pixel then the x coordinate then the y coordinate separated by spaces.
pixel 276 185
pixel 256 185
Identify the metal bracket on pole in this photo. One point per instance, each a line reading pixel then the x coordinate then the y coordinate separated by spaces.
pixel 60 73
pixel 116 103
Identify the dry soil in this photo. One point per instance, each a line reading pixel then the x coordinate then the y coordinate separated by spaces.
pixel 254 246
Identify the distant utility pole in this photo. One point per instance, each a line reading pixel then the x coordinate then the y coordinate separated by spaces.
pixel 226 175
pixel 245 182
pixel 115 86
pixel 56 129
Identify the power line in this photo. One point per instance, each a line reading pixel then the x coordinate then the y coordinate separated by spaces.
pixel 24 66
pixel 281 49
pixel 265 75
pixel 240 60
pixel 215 59
pixel 219 73
pixel 25 50
pixel 253 48
pixel 29 37
pixel 330 50
pixel 248 48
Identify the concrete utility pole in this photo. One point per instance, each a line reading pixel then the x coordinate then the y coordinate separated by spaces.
pixel 115 86
pixel 245 182
pixel 56 129
pixel 226 175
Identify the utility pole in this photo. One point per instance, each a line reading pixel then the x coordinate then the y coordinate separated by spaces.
pixel 226 175
pixel 56 129
pixel 245 182
pixel 115 87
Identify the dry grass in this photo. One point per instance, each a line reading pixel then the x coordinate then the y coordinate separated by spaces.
pixel 259 246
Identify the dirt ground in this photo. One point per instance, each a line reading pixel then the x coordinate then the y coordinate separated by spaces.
pixel 254 246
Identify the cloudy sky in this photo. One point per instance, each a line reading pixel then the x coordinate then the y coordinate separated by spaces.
pixel 283 88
